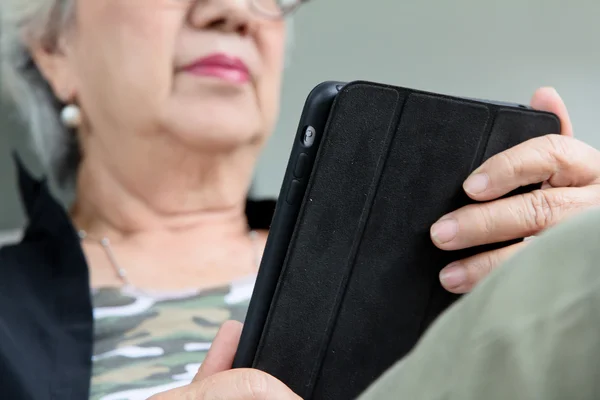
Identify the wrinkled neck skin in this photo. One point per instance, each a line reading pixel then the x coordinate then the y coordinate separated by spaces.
pixel 170 193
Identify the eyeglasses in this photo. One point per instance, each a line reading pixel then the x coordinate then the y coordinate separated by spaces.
pixel 275 9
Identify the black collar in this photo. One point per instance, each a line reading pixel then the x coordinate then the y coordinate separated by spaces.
pixel 46 217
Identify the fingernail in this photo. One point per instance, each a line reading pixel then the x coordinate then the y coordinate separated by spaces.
pixel 453 276
pixel 476 184
pixel 444 230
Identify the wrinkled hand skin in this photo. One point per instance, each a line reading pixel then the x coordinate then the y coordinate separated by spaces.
pixel 570 172
pixel 216 380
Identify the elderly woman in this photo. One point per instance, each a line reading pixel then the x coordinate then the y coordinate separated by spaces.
pixel 155 112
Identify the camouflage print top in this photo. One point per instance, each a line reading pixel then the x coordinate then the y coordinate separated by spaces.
pixel 148 343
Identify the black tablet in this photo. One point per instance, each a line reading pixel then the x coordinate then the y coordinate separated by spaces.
pixel 353 282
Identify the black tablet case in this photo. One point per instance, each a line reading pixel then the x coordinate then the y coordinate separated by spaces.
pixel 360 283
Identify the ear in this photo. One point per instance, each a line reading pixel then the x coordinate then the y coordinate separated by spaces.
pixel 55 65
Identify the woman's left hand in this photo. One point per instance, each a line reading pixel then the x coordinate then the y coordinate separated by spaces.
pixel 570 170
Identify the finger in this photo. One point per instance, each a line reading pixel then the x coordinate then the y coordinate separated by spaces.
pixel 247 384
pixel 560 160
pixel 238 384
pixel 222 350
pixel 511 218
pixel 547 99
pixel 461 276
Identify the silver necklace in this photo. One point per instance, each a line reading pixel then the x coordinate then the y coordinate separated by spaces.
pixel 122 272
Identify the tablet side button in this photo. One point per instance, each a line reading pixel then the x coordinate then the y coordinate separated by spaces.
pixel 301 166
pixel 294 191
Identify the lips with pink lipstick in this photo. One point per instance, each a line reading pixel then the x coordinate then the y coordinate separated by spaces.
pixel 221 66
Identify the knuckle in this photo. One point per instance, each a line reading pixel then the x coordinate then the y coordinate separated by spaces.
pixel 560 149
pixel 541 210
pixel 482 265
pixel 255 384
pixel 487 223
pixel 558 144
pixel 512 164
pixel 478 267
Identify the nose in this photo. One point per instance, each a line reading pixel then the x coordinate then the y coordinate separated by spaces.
pixel 228 16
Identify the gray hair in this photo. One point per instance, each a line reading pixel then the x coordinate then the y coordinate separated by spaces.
pixel 23 83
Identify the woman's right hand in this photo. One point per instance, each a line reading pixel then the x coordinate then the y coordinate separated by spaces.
pixel 216 380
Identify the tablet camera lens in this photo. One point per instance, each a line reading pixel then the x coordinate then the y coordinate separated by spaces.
pixel 309 136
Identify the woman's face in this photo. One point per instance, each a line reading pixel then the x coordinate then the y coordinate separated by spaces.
pixel 202 73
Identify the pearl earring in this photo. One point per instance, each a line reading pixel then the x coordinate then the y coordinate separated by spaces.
pixel 71 116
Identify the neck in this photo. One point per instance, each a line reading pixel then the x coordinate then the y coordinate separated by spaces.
pixel 201 196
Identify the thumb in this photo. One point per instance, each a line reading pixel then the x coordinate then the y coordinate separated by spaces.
pixel 547 99
pixel 222 351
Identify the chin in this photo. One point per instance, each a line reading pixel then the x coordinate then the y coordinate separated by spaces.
pixel 217 122
pixel 216 134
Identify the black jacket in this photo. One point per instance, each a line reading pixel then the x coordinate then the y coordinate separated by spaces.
pixel 46 322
